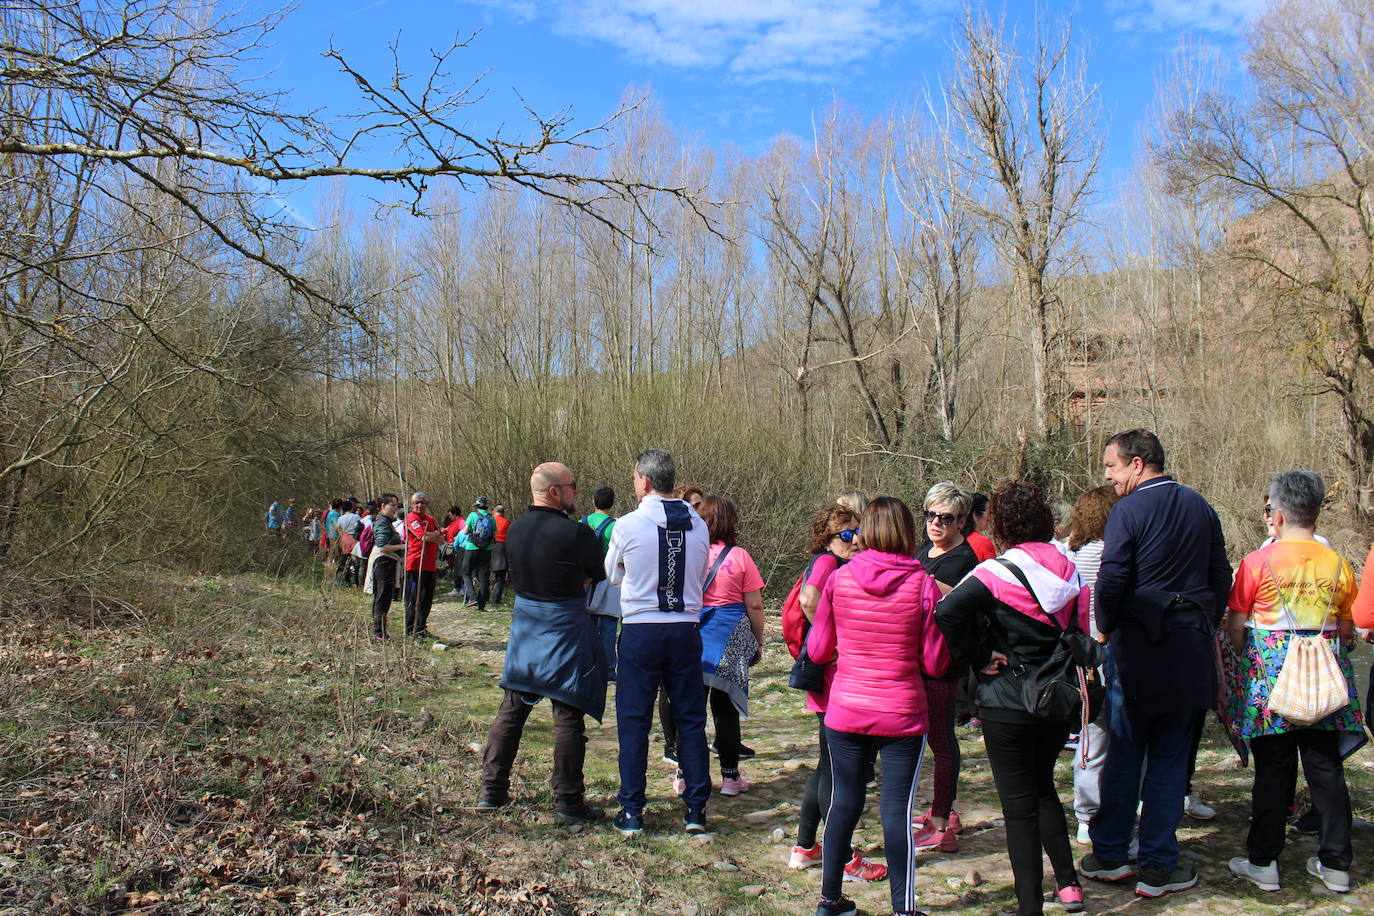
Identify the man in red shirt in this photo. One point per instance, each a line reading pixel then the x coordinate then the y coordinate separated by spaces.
pixel 422 562
pixel 499 565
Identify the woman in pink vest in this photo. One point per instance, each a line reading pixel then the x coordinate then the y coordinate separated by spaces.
pixel 876 619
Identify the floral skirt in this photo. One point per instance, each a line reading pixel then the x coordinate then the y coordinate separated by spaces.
pixel 1250 676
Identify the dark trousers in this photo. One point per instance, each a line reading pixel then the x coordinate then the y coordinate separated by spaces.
pixel 419 597
pixel 726 719
pixel 607 628
pixel 1022 756
pixel 816 797
pixel 383 591
pixel 669 654
pixel 944 745
pixel 569 750
pixel 1155 745
pixel 1276 778
pixel 851 760
pixel 477 572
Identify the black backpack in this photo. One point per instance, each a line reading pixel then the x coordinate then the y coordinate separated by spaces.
pixel 1058 689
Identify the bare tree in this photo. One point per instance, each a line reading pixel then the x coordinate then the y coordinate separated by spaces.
pixel 944 249
pixel 1296 149
pixel 1031 149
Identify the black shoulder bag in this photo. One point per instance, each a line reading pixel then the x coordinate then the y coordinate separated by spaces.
pixel 806 674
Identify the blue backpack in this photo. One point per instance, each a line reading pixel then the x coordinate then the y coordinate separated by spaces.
pixel 482 531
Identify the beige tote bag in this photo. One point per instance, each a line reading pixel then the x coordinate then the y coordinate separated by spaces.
pixel 1310 685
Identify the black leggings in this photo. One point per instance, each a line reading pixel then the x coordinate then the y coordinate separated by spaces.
pixel 726 717
pixel 816 798
pixel 1022 755
pixel 851 760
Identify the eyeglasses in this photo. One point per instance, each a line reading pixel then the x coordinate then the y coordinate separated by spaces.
pixel 944 518
pixel 1268 509
pixel 847 535
pixel 573 485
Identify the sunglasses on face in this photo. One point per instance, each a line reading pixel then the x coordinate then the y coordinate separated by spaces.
pixel 847 535
pixel 944 518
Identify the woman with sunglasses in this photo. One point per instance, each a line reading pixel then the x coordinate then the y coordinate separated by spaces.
pixel 947 557
pixel 834 541
pixel 1006 603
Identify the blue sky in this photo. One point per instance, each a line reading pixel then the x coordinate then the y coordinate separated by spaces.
pixel 728 71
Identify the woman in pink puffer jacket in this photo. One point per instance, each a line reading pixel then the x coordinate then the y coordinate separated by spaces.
pixel 876 619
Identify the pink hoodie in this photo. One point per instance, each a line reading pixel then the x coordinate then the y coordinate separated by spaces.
pixel 876 616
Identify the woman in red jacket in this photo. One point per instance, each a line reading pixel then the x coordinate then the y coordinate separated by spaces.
pixel 876 618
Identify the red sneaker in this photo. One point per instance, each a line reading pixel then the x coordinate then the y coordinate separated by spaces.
pixel 861 869
pixel 805 858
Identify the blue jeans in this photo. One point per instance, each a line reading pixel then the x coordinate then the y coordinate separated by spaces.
pixel 667 654
pixel 1154 745
pixel 608 628
pixel 851 762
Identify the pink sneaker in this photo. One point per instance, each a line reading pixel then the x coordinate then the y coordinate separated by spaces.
pixel 733 787
pixel 679 783
pixel 952 823
pixel 861 869
pixel 927 838
pixel 1070 898
pixel 805 858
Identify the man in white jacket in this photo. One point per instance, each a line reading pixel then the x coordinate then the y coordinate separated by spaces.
pixel 658 557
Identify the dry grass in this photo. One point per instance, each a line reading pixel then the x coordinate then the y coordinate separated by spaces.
pixel 238 746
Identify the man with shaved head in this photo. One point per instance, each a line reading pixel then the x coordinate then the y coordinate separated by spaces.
pixel 553 650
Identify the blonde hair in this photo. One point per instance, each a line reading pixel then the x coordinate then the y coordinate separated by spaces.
pixel 853 500
pixel 951 493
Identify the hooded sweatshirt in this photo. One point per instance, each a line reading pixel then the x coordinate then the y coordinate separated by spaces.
pixel 991 609
pixel 657 556
pixel 876 618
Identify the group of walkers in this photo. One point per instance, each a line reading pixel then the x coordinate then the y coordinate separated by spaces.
pixel 1122 627
pixel 403 555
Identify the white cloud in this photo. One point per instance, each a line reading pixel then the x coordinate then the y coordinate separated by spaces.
pixel 1226 17
pixel 753 39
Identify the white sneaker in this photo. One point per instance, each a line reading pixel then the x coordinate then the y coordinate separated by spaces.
pixel 1266 877
pixel 1083 839
pixel 1335 880
pixel 1194 808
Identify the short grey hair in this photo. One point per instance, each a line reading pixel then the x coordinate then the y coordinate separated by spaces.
pixel 1298 495
pixel 951 493
pixel 418 494
pixel 658 466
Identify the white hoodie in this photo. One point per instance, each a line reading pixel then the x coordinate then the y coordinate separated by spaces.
pixel 658 555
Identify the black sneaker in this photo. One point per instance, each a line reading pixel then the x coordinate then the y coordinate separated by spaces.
pixel 840 906
pixel 746 752
pixel 695 820
pixel 670 754
pixel 628 823
pixel 573 817
pixel 1090 866
pixel 1308 823
pixel 1155 882
pixel 490 801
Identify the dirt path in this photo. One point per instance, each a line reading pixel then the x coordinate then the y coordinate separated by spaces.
pixel 742 868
